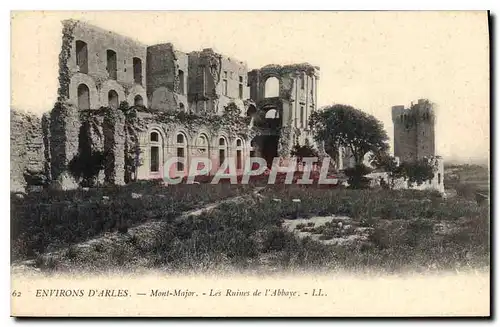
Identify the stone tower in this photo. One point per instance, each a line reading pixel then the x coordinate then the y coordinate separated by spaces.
pixel 414 136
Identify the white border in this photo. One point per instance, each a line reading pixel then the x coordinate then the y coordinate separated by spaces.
pixel 7 6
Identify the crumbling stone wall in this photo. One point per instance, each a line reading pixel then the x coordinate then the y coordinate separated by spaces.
pixel 164 88
pixel 87 167
pixel 140 124
pixel 296 100
pixel 46 144
pixel 210 74
pixel 27 159
pixel 64 130
pixel 97 78
pixel 114 147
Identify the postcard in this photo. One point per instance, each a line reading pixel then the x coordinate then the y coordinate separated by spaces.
pixel 250 164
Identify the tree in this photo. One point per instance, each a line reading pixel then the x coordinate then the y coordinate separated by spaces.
pixel 343 126
pixel 418 172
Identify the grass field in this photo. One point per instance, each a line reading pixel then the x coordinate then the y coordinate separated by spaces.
pixel 407 229
pixel 467 179
pixel 48 220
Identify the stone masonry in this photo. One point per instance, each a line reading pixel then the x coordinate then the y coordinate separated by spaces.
pixel 27 162
pixel 103 74
pixel 64 130
pixel 126 108
pixel 114 147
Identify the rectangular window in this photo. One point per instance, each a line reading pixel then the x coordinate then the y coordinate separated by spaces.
pixel 302 123
pixel 241 79
pixel 137 63
pixel 224 86
pixel 181 82
pixel 82 56
pixel 302 81
pixel 155 159
pixel 240 91
pixel 204 80
pixel 238 159
pixel 111 64
pixel 180 155
pixel 222 156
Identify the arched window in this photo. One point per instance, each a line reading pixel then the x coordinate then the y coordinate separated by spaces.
pixel 138 101
pixel 253 145
pixel 83 97
pixel 222 150
pixel 202 144
pixel 239 154
pixel 181 82
pixel 82 56
pixel 272 87
pixel 111 64
pixel 181 151
pixel 272 114
pixel 302 81
pixel 154 137
pixel 137 63
pixel 113 99
pixel 156 149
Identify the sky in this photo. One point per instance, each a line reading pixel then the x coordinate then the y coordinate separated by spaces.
pixel 370 60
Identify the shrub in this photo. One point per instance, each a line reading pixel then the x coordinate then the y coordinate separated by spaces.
pixel 466 190
pixel 277 239
pixel 356 177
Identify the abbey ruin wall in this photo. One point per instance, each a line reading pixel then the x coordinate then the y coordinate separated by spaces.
pixel 125 108
pixel 27 156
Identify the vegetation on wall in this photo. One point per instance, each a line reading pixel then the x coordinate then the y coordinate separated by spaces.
pixel 87 164
pixel 89 161
pixel 64 55
pixel 230 121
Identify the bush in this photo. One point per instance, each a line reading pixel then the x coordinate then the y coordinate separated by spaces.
pixel 466 190
pixel 356 177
